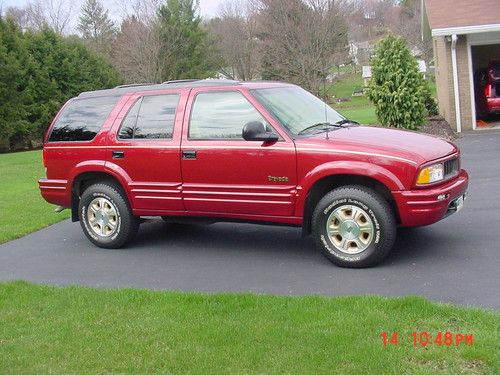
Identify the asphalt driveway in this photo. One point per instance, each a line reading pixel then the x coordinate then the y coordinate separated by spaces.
pixel 456 260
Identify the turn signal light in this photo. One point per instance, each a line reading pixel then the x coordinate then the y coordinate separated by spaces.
pixel 430 174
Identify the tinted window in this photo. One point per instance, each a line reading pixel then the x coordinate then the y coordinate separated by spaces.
pixel 495 68
pixel 221 115
pixel 151 117
pixel 128 123
pixel 82 119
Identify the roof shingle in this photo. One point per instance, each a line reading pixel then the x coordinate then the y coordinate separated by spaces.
pixel 443 14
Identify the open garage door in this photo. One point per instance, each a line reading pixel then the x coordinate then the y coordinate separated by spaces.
pixel 485 79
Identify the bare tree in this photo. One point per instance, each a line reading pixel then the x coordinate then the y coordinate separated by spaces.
pixel 18 15
pixel 136 51
pixel 408 25
pixel 137 47
pixel 145 11
pixel 55 14
pixel 301 40
pixel 236 35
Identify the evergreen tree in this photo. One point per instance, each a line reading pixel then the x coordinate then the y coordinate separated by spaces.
pixel 39 71
pixel 186 48
pixel 14 84
pixel 97 29
pixel 397 88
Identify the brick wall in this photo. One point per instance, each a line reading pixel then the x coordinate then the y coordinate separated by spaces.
pixel 444 81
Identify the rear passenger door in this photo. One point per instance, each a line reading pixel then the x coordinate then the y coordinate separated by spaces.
pixel 145 147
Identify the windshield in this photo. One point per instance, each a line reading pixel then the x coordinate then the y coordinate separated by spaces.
pixel 296 108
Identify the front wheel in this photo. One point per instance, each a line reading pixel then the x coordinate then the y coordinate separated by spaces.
pixel 106 217
pixel 354 226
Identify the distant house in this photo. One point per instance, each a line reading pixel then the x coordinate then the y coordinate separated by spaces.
pixel 360 52
pixel 466 36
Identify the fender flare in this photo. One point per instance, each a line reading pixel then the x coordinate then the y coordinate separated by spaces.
pixel 358 168
pixel 101 166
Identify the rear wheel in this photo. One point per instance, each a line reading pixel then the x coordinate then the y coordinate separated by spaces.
pixel 354 226
pixel 105 216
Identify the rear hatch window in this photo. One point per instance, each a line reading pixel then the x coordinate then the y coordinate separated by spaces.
pixel 82 119
pixel 495 70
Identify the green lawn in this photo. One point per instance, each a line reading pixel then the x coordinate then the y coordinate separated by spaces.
pixel 357 108
pixel 77 330
pixel 364 115
pixel 22 208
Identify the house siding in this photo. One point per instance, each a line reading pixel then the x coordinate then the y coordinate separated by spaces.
pixel 444 81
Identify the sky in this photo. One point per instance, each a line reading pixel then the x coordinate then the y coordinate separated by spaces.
pixel 208 8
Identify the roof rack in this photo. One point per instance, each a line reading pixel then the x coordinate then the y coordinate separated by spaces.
pixel 179 81
pixel 134 85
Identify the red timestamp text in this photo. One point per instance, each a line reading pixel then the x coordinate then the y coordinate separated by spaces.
pixel 424 338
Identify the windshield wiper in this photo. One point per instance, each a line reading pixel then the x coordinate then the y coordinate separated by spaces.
pixel 346 121
pixel 324 126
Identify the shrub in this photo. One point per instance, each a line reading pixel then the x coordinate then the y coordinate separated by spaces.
pixel 397 88
pixel 430 103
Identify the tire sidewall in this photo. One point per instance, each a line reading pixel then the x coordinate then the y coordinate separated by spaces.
pixel 85 202
pixel 383 235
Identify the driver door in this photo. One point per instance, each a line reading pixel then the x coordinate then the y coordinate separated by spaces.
pixel 224 174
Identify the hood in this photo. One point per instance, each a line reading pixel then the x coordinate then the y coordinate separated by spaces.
pixel 410 145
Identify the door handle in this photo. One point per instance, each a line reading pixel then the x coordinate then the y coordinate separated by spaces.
pixel 118 154
pixel 188 154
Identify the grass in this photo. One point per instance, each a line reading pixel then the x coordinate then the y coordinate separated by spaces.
pixel 357 108
pixel 364 115
pixel 22 208
pixel 78 330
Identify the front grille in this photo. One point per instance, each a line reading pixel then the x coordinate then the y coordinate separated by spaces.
pixel 451 167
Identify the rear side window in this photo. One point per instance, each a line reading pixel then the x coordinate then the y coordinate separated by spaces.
pixel 495 69
pixel 82 119
pixel 151 117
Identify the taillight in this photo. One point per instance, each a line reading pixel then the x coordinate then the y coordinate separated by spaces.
pixel 46 131
pixel 487 91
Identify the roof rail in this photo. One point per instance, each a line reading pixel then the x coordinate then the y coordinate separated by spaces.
pixel 179 81
pixel 134 85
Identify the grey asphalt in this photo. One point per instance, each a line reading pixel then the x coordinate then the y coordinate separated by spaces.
pixel 455 261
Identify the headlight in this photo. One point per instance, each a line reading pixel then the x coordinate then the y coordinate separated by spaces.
pixel 430 174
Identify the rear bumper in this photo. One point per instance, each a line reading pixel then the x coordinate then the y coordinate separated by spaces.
pixel 493 105
pixel 422 207
pixel 55 191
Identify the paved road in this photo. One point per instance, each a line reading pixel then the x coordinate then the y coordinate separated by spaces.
pixel 456 260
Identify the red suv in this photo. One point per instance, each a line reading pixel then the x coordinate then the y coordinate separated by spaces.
pixel 262 152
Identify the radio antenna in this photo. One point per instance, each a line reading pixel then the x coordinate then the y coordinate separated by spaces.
pixel 326 116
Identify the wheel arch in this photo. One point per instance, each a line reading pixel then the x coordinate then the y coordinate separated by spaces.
pixel 323 185
pixel 87 178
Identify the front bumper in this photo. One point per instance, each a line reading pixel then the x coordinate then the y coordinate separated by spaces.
pixel 422 207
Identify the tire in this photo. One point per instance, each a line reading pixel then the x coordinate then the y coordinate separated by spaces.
pixel 361 226
pixel 106 217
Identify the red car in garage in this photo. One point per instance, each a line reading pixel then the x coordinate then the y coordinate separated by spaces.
pixel 487 88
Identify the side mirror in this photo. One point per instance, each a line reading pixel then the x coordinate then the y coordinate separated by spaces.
pixel 256 131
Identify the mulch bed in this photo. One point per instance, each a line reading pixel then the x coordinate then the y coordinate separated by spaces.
pixel 438 127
